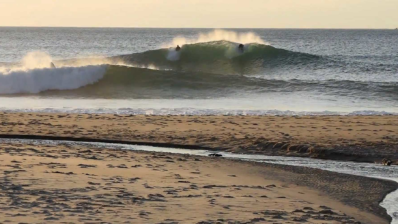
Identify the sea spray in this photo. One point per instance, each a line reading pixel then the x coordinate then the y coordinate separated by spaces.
pixel 36 59
pixel 32 60
pixel 216 35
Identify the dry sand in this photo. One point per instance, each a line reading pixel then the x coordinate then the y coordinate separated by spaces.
pixel 71 184
pixel 358 138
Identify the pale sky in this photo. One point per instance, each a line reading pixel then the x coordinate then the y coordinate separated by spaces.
pixel 201 13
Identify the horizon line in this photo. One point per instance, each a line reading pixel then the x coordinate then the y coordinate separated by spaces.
pixel 215 28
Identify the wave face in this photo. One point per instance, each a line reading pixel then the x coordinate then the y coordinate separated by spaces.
pixel 42 79
pixel 221 57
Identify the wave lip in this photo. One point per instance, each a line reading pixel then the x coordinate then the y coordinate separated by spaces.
pixel 42 79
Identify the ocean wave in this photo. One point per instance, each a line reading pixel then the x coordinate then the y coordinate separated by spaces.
pixel 41 79
pixel 200 70
pixel 222 57
pixel 121 82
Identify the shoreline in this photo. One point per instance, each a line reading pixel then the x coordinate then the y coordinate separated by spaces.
pixel 353 138
pixel 290 190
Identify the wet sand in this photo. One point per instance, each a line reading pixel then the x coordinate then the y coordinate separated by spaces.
pixel 75 184
pixel 355 138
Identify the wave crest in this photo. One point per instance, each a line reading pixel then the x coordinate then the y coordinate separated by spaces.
pixel 217 35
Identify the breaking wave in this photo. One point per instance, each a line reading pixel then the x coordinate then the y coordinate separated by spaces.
pixel 42 79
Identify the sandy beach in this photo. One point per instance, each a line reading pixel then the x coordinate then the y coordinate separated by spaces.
pixel 71 184
pixel 76 184
pixel 356 138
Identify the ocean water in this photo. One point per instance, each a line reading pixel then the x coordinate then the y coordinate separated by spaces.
pixel 114 70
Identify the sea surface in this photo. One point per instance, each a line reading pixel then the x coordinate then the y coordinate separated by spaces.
pixel 126 70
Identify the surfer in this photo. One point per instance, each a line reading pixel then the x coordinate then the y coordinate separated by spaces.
pixel 241 48
pixel 178 48
pixel 52 65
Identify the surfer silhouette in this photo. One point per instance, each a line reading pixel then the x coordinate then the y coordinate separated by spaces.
pixel 178 48
pixel 241 48
pixel 52 65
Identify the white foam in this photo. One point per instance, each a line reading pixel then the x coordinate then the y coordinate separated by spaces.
pixel 41 79
pixel 35 74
